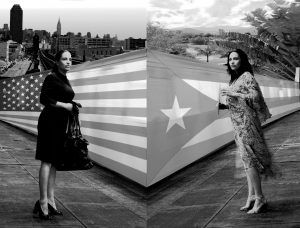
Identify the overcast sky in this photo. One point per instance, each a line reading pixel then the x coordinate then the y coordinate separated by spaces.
pixel 124 18
pixel 203 13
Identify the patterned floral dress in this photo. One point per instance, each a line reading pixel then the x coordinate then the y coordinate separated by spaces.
pixel 247 113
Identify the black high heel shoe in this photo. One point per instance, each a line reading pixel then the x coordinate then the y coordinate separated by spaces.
pixel 38 210
pixel 54 211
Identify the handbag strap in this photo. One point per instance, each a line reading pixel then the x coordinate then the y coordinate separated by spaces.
pixel 67 128
pixel 77 126
pixel 73 126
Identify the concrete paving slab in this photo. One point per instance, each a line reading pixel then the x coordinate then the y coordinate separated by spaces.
pixel 11 180
pixel 106 216
pixel 183 217
pixel 81 195
pixel 12 169
pixel 228 176
pixel 18 194
pixel 206 197
pixel 287 153
pixel 287 211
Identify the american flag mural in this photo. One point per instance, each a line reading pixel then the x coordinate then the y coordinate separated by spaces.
pixel 113 118
pixel 146 115
pixel 19 104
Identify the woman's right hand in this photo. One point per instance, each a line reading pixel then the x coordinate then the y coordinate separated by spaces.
pixel 68 106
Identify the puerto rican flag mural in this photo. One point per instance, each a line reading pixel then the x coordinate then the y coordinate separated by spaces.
pixel 184 123
pixel 146 115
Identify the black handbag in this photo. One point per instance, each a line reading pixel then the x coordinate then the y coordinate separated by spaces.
pixel 75 152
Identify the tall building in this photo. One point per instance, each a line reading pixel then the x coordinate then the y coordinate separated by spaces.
pixel 16 23
pixel 133 44
pixel 58 28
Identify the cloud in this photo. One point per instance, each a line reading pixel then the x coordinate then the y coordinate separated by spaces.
pixel 239 7
pixel 222 8
pixel 166 4
pixel 168 18
pixel 235 21
pixel 204 13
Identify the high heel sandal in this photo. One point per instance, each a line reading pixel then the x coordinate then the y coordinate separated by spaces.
pixel 261 208
pixel 38 210
pixel 54 211
pixel 251 200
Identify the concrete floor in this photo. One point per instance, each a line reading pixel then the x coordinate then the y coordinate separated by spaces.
pixel 208 193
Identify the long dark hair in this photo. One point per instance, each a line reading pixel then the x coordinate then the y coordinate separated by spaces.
pixel 57 58
pixel 245 66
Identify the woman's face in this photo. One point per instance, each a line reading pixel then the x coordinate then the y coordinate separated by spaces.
pixel 65 62
pixel 234 61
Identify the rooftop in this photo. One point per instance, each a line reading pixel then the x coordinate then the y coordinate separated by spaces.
pixel 208 193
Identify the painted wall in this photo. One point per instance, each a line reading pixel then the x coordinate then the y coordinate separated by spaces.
pixel 183 121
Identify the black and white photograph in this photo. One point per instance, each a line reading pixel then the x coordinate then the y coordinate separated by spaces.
pixel 228 77
pixel 73 113
pixel 149 113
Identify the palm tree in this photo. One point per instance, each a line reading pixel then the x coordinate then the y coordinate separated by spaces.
pixel 280 33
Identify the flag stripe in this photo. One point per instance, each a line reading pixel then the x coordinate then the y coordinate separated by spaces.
pixel 211 89
pixel 114 119
pixel 115 95
pixel 284 108
pixel 18 120
pixel 138 120
pixel 124 77
pixel 125 129
pixel 21 117
pixel 134 121
pixel 124 170
pixel 141 112
pixel 273 102
pixel 109 70
pixel 133 140
pixel 31 129
pixel 117 146
pixel 118 103
pixel 125 159
pixel 20 113
pixel 109 87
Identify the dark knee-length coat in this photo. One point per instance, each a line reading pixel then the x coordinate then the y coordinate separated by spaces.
pixel 53 120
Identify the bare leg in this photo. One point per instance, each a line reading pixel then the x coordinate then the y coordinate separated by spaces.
pixel 255 180
pixel 259 198
pixel 250 185
pixel 51 186
pixel 250 197
pixel 43 184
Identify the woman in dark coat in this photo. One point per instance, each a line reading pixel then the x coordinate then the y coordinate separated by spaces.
pixel 56 95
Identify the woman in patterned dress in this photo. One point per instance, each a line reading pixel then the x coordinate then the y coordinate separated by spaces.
pixel 247 111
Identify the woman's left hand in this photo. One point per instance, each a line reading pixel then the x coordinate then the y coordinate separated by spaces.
pixel 226 92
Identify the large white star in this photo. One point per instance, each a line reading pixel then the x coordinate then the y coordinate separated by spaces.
pixel 175 115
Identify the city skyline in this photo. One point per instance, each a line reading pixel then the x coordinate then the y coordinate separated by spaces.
pixel 126 20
